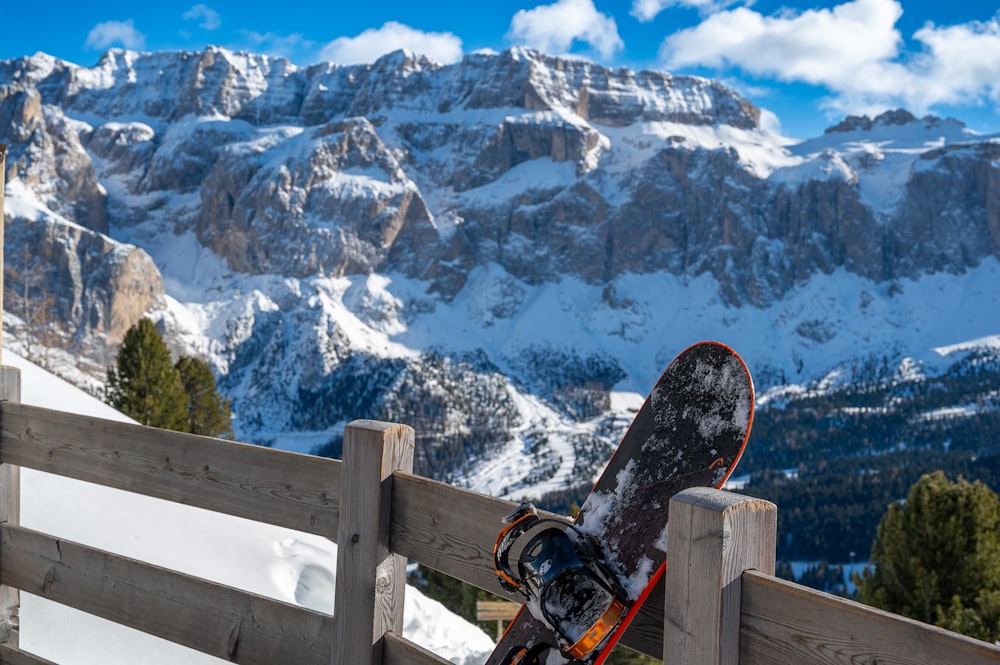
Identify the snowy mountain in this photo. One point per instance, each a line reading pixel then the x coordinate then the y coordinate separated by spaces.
pixel 503 252
pixel 290 566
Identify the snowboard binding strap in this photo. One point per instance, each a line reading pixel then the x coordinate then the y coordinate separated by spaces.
pixel 523 518
pixel 568 585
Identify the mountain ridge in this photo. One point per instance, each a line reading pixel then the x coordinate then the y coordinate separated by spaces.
pixel 496 249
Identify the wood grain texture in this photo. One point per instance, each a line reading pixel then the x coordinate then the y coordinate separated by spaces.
pixel 783 622
pixel 11 656
pixel 371 579
pixel 713 536
pixel 10 503
pixel 400 651
pixel 10 384
pixel 496 610
pixel 234 625
pixel 300 492
pixel 448 529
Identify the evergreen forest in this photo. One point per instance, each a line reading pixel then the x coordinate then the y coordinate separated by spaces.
pixel 833 460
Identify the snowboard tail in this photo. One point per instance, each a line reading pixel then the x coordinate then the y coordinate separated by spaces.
pixel 690 432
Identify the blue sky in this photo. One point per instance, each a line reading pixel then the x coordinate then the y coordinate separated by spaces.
pixel 808 63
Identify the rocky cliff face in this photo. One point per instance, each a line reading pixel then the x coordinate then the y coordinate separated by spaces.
pixel 412 166
pixel 952 207
pixel 318 169
pixel 75 289
pixel 337 201
pixel 46 153
pixel 314 224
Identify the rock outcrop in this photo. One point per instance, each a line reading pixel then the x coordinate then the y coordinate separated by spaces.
pixel 545 166
pixel 84 289
pixel 46 153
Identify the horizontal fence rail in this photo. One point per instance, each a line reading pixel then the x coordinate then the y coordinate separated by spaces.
pixel 724 607
pixel 783 622
pixel 234 625
pixel 9 656
pixel 397 650
pixel 300 492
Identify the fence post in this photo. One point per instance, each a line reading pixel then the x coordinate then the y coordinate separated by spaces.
pixel 10 475
pixel 10 512
pixel 370 579
pixel 713 536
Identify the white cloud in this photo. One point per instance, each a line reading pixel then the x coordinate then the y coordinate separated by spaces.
pixel 647 10
pixel 111 33
pixel 854 50
pixel 290 46
pixel 370 45
pixel 553 28
pixel 960 64
pixel 209 18
pixel 823 47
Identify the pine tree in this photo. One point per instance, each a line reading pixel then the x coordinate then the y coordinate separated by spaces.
pixel 937 557
pixel 208 412
pixel 145 385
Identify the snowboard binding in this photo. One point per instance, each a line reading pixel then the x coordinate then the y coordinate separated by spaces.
pixel 564 576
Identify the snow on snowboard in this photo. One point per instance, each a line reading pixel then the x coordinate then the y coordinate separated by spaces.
pixel 585 581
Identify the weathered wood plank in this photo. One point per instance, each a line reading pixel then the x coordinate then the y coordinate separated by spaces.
pixel 10 491
pixel 300 492
pixel 447 528
pixel 10 384
pixel 227 623
pixel 453 531
pixel 713 536
pixel 371 579
pixel 783 622
pixel 399 651
pixel 9 656
pixel 496 610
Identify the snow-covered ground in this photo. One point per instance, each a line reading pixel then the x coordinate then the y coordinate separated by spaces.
pixel 283 564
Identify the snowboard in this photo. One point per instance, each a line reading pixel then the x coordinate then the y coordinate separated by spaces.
pixel 690 432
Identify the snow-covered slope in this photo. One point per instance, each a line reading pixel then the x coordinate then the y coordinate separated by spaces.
pixel 536 335
pixel 287 565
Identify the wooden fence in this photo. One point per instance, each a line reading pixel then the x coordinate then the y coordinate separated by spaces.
pixel 724 604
